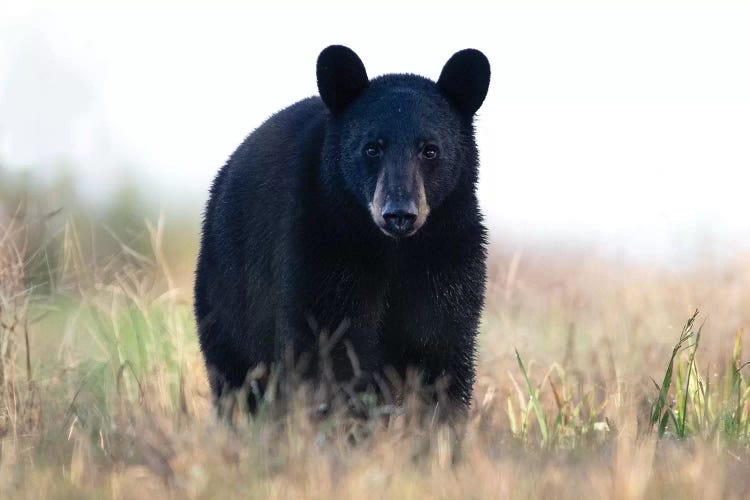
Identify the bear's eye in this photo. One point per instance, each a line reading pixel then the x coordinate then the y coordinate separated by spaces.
pixel 430 152
pixel 373 150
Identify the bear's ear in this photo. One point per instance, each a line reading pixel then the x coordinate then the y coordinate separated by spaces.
pixel 465 79
pixel 341 77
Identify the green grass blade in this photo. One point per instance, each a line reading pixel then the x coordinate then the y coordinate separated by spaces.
pixel 683 412
pixel 661 403
pixel 534 401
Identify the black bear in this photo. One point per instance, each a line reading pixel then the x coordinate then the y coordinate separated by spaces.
pixel 353 213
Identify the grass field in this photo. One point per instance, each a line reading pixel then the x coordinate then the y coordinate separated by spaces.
pixel 595 379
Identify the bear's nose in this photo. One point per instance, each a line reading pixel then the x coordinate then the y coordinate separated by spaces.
pixel 399 217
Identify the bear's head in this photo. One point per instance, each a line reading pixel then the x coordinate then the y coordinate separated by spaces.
pixel 402 144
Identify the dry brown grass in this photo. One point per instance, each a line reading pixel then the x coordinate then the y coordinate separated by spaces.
pixel 114 401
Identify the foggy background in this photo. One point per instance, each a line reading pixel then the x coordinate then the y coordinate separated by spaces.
pixel 621 128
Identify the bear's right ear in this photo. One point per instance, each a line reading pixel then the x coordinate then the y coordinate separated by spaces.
pixel 341 77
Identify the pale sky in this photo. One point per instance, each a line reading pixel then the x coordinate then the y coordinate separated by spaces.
pixel 624 126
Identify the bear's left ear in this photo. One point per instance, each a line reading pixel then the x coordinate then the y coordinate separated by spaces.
pixel 465 79
pixel 341 77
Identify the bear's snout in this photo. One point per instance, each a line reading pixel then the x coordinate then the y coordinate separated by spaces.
pixel 399 217
pixel 399 204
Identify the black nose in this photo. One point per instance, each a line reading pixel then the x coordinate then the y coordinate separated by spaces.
pixel 399 217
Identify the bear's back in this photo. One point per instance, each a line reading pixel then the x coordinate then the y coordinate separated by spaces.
pixel 262 180
pixel 252 201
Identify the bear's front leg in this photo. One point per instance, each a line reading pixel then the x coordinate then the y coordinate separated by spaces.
pixel 351 355
pixel 456 381
pixel 433 327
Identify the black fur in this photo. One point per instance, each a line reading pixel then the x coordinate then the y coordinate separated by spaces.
pixel 289 247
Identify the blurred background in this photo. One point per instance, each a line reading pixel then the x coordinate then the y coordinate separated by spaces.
pixel 615 128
